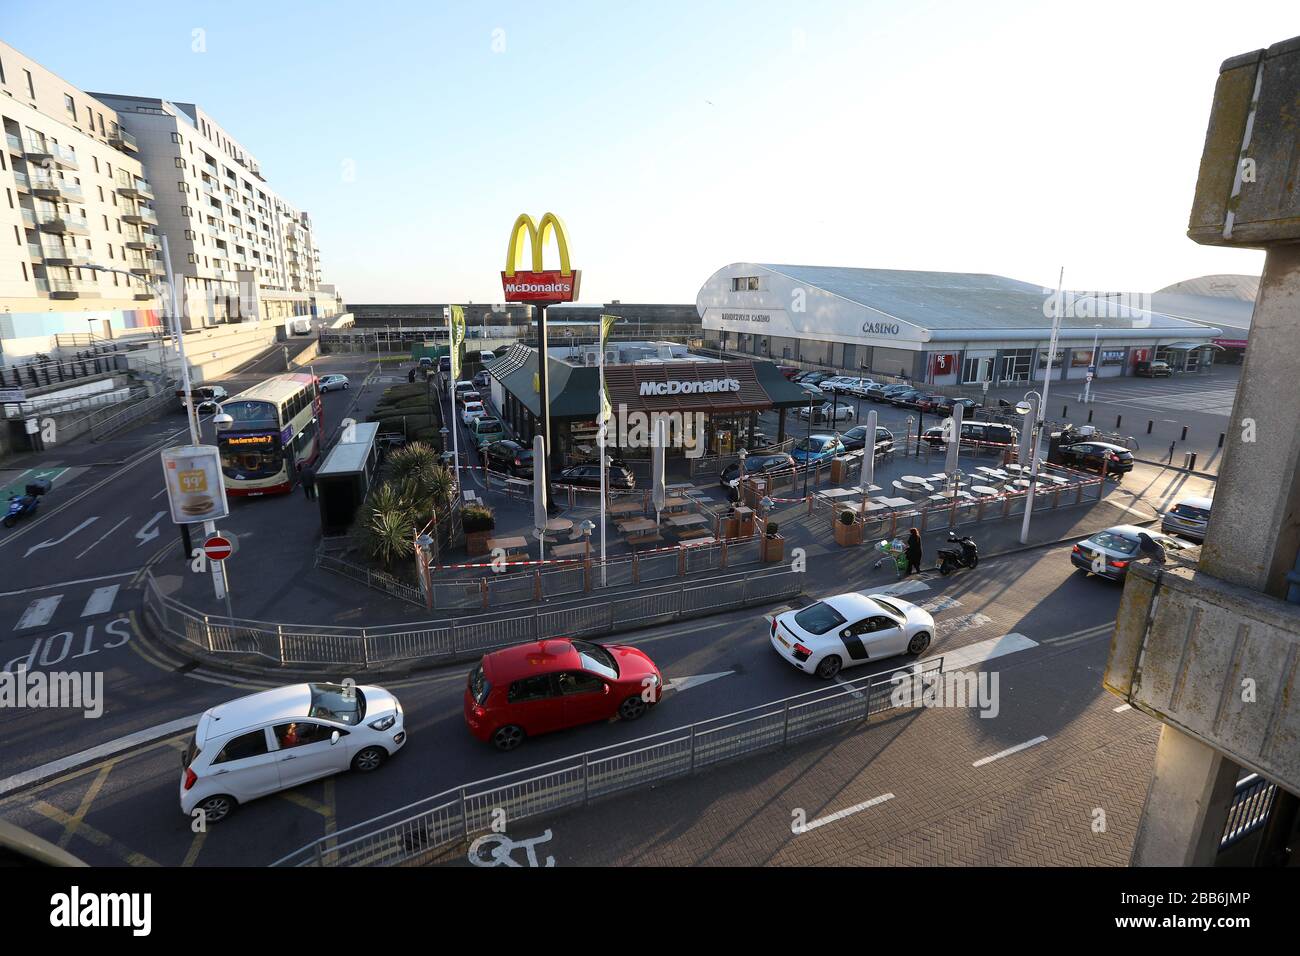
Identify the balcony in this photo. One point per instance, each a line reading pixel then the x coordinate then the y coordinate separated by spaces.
pixel 54 254
pixel 139 214
pixel 64 223
pixel 51 187
pixel 71 289
pixel 142 240
pixel 133 187
pixel 15 143
pixel 29 218
pixel 45 153
pixel 122 140
pixel 24 184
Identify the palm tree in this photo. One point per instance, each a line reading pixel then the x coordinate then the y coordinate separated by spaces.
pixel 389 537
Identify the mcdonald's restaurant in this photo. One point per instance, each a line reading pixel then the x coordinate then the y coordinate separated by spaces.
pixel 706 406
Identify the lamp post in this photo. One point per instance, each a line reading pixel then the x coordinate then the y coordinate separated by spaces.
pixel 740 481
pixel 808 449
pixel 1042 406
pixel 586 527
pixel 1087 385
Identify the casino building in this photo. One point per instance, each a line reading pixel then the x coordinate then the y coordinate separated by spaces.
pixel 643 379
pixel 940 328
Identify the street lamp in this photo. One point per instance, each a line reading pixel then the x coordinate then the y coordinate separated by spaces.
pixel 808 449
pixel 586 527
pixel 1092 366
pixel 1042 406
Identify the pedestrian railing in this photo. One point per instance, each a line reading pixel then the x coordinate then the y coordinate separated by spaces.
pixel 109 421
pixel 419 831
pixel 1251 803
pixel 463 637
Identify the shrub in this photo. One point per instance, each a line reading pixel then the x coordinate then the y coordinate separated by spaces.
pixel 477 518
pixel 846 517
pixel 772 528
pixel 388 537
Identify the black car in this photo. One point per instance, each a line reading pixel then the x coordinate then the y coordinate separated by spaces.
pixel 906 398
pixel 856 438
pixel 976 433
pixel 508 457
pixel 588 476
pixel 1090 455
pixel 756 465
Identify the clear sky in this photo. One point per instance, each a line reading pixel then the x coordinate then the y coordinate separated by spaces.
pixel 675 137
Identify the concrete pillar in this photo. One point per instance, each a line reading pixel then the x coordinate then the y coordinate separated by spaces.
pixel 1187 805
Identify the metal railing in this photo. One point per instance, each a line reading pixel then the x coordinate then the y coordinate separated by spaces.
pixel 462 637
pixel 38 374
pixel 1251 803
pixel 108 422
pixel 418 830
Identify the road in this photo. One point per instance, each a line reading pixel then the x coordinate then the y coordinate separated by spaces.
pixel 123 809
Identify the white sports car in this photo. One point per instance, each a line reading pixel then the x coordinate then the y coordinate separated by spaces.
pixel 850 629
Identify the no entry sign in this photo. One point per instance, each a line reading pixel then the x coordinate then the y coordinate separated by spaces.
pixel 218 548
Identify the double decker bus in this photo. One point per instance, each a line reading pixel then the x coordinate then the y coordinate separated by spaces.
pixel 275 429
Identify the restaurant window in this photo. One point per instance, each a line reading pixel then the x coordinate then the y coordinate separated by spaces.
pixel 1113 356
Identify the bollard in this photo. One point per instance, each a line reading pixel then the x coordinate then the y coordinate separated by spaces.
pixel 1191 464
pixel 1184 438
pixel 1150 424
pixel 1171 451
pixel 1118 420
pixel 1065 409
pixel 1090 416
pixel 1220 439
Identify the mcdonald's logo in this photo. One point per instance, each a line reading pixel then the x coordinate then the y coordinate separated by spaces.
pixel 539 284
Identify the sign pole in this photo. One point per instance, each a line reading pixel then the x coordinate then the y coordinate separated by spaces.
pixel 544 399
pixel 453 365
pixel 602 426
pixel 1042 408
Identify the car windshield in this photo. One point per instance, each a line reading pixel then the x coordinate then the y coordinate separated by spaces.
pixel 891 609
pixel 344 704
pixel 819 618
pixel 1114 542
pixel 596 658
pixel 1196 514
pixel 813 444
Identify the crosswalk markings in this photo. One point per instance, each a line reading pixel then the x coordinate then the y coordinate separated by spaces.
pixel 1075 637
pixel 846 812
pixel 39 612
pixel 100 600
pixel 981 651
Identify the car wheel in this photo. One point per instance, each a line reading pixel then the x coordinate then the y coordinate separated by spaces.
pixel 945 568
pixel 508 737
pixel 215 809
pixel 632 708
pixel 919 642
pixel 975 561
pixel 830 666
pixel 371 758
pixel 10 520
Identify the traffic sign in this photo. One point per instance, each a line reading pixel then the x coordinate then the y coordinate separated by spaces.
pixel 1092 369
pixel 218 547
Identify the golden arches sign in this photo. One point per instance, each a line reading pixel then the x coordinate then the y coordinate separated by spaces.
pixel 538 284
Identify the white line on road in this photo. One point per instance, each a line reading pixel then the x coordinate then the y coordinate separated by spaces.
pixel 100 600
pixel 846 812
pixel 160 493
pixel 974 654
pixel 51 542
pixel 1009 751
pixel 54 767
pixel 38 612
pixel 65 584
pixel 1123 707
pixel 898 589
pixel 106 534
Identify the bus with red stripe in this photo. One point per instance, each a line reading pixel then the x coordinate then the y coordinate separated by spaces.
pixel 275 429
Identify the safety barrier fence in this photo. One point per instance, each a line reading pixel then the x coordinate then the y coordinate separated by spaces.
pixel 461 637
pixel 39 374
pixel 418 831
pixel 1250 807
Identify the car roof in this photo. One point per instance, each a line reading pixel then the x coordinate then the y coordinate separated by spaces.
pixel 528 660
pixel 853 607
pixel 264 707
pixel 1195 501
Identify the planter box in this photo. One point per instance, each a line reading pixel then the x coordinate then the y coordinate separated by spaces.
pixel 772 549
pixel 847 535
pixel 476 542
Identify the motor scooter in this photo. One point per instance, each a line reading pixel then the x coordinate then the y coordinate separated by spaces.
pixel 19 507
pixel 966 555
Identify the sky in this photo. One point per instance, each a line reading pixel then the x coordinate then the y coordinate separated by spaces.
pixel 674 138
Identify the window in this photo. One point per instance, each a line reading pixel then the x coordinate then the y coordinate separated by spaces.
pixel 70 106
pixel 242 747
pixel 2 71
pixel 744 284
pixel 180 162
pixel 579 682
pixel 530 688
pixel 96 159
pixel 101 125
pixel 176 138
pixel 301 733
pixel 818 618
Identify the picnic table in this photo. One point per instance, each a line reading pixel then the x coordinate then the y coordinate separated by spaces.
pixel 871 489
pixel 626 508
pixel 991 472
pixel 984 490
pixel 1020 483
pixel 871 506
pixel 913 480
pixel 1054 479
pixel 686 521
pixel 895 502
pixel 1013 468
pixel 834 493
pixel 944 497
pixel 636 526
pixel 577 550
pixel 694 541
pixel 674 504
pixel 558 525
pixel 508 544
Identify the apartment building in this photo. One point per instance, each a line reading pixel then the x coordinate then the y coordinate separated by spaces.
pixel 74 193
pixel 242 250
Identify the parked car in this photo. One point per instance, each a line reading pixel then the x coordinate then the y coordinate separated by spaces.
pixel 588 476
pixel 814 448
pixel 907 398
pixel 976 433
pixel 487 358
pixel 835 383
pixel 487 430
pixel 471 411
pixel 330 383
pixel 856 438
pixel 544 686
pixel 277 739
pixel 848 630
pixel 829 411
pixel 933 402
pixel 1152 369
pixel 1090 455
pixel 508 457
pixel 426 361
pixel 1189 518
pixel 1109 553
pixel 860 388
pixel 814 378
pixel 755 466
pixel 789 371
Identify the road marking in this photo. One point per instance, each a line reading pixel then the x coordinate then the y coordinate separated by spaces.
pixel 1009 751
pixel 1123 707
pixel 101 600
pixel 966 622
pixel 685 683
pixel 974 654
pixel 45 770
pixel 65 584
pixel 159 494
pixel 193 853
pixel 846 812
pixel 944 603
pixel 908 586
pixel 91 835
pixel 147 531
pixel 49 543
pixel 106 534
pixel 38 612
pixel 854 691
pixel 88 798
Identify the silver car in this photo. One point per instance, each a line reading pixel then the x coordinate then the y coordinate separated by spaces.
pixel 329 383
pixel 1188 518
pixel 1109 553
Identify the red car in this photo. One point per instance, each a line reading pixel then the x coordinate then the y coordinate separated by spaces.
pixel 551 685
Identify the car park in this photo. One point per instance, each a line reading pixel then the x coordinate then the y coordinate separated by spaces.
pixel 486 430
pixel 1109 553
pixel 859 388
pixel 756 466
pixel 508 457
pixel 880 392
pixel 850 629
pixel 277 739
pixel 829 411
pixel 544 686
pixel 588 476
pixel 1092 455
pixel 856 438
pixel 789 371
pixel 331 383
pixel 907 398
pixel 815 448
pixel 1188 518
pixel 471 411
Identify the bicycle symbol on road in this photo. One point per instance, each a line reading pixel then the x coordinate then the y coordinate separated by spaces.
pixel 495 849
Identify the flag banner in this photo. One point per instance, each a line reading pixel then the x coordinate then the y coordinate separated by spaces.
pixel 456 338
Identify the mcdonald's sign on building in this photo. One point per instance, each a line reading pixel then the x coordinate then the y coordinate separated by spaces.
pixel 538 284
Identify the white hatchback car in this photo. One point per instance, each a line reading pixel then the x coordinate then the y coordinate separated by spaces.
pixel 280 738
pixel 850 629
pixel 471 411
